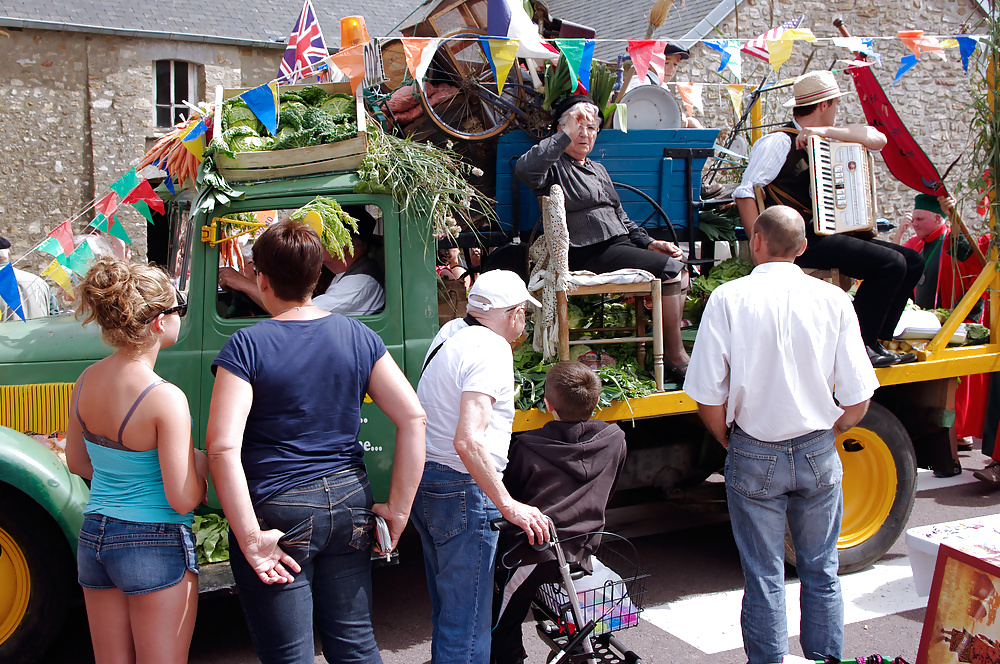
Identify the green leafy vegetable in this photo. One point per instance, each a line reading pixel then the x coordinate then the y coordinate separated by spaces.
pixel 335 236
pixel 211 533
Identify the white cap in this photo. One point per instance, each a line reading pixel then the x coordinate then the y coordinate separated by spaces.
pixel 499 289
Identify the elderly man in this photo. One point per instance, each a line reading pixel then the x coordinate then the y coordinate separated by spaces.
pixel 778 370
pixel 467 389
pixel 779 163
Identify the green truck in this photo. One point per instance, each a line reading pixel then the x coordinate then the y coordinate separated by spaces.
pixel 41 503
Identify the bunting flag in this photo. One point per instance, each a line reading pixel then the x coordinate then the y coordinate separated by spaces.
pixel 80 259
pixel 861 45
pixel 8 290
pixel 306 48
pixel 780 49
pixel 507 20
pixel 116 230
pixel 641 52
pixel 143 209
pixel 621 116
pixel 917 43
pixel 730 50
pixel 168 182
pixel 904 158
pixel 691 96
pixel 194 139
pixel 905 64
pixel 758 47
pixel 736 95
pixel 63 233
pixel 144 193
pixel 351 61
pixel 107 206
pixel 579 54
pixel 124 185
pixel 501 54
pixel 58 274
pixel 52 247
pixel 413 51
pixel 966 47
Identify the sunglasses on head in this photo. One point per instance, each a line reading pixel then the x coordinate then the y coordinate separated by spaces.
pixel 180 309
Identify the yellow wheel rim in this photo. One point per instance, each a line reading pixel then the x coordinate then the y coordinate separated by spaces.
pixel 15 586
pixel 869 485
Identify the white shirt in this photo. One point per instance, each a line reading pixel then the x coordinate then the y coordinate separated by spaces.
pixel 352 295
pixel 474 359
pixel 35 296
pixel 767 156
pixel 774 347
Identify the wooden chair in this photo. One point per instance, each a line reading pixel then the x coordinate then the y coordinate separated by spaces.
pixel 554 222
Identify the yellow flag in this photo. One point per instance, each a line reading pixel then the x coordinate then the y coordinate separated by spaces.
pixel 502 52
pixel 779 50
pixel 949 43
pixel 736 94
pixel 56 273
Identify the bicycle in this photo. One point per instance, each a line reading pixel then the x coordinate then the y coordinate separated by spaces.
pixel 459 93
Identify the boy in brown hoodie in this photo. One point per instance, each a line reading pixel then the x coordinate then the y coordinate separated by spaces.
pixel 568 469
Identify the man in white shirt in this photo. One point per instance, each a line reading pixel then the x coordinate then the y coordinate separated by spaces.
pixel 35 294
pixel 467 389
pixel 773 349
pixel 779 163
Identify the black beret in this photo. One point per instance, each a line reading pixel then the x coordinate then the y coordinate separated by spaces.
pixel 4 243
pixel 565 104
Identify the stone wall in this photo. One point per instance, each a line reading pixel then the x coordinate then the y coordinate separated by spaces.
pixel 932 98
pixel 78 113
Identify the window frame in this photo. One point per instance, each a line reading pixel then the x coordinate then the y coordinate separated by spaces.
pixel 175 106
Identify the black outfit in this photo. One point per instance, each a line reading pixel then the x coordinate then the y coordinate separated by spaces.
pixel 601 236
pixel 889 271
pixel 568 470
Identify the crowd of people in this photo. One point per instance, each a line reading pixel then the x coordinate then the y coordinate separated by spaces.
pixel 782 364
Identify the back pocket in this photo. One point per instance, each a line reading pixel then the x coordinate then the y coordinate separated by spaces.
pixel 445 513
pixel 751 473
pixel 827 467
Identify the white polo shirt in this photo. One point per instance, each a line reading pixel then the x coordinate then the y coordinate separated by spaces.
pixel 472 359
pixel 775 347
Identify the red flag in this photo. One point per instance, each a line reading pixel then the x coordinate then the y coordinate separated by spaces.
pixel 906 161
pixel 107 206
pixel 64 233
pixel 145 193
pixel 641 52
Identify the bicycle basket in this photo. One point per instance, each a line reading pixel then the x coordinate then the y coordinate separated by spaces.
pixel 613 595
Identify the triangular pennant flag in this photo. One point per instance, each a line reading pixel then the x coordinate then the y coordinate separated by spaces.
pixel 144 192
pixel 780 49
pixel 263 102
pixel 730 50
pixel 905 64
pixel 63 233
pixel 966 47
pixel 107 206
pixel 621 115
pixel 909 39
pixel 658 61
pixel 426 56
pixel 586 63
pixel 52 247
pixel 641 51
pixel 691 96
pixel 758 46
pixel 124 185
pixel 80 259
pixel 736 95
pixel 508 19
pixel 58 274
pixel 862 45
pixel 194 139
pixel 169 182
pixel 351 61
pixel 8 290
pixel 413 48
pixel 501 54
pixel 948 43
pixel 572 50
pixel 143 209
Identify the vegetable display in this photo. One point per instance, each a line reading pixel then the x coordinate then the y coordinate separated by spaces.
pixel 211 533
pixel 170 155
pixel 335 235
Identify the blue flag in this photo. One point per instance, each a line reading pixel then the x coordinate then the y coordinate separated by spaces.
pixel 905 64
pixel 263 101
pixel 966 47
pixel 8 290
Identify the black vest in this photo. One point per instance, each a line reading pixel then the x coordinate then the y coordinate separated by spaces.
pixel 792 187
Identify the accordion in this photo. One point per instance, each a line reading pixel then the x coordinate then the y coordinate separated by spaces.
pixel 843 187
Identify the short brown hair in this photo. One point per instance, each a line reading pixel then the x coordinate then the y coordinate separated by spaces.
pixel 290 254
pixel 573 390
pixel 121 296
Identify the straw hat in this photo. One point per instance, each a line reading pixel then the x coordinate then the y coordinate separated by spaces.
pixel 814 87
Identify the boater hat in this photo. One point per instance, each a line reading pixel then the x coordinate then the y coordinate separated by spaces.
pixel 814 87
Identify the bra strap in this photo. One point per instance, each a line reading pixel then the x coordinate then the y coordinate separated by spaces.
pixel 135 405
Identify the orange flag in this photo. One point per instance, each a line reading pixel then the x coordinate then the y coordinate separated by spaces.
pixel 916 42
pixel 351 61
pixel 413 48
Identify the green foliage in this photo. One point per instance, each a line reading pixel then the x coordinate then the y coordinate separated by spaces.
pixel 727 270
pixel 557 82
pixel 305 117
pixel 601 83
pixel 211 533
pixel 341 107
pixel 312 95
pixel 335 236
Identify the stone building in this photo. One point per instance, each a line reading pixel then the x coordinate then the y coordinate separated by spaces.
pixel 87 86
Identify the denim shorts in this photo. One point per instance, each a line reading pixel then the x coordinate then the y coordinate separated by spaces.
pixel 136 558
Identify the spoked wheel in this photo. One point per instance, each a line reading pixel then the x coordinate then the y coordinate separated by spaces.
pixel 460 94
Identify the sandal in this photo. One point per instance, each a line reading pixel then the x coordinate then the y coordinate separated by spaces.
pixel 677 371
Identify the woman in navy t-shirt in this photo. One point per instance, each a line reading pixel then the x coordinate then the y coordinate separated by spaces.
pixel 287 465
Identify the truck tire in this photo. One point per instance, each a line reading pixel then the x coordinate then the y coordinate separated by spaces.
pixel 36 579
pixel 880 487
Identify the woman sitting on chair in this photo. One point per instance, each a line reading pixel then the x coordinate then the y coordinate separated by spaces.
pixel 601 236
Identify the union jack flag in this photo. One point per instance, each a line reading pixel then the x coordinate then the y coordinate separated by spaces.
pixel 758 47
pixel 305 50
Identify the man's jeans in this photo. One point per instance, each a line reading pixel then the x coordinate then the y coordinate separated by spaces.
pixel 797 479
pixel 452 515
pixel 328 527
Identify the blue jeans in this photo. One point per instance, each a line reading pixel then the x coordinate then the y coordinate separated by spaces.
pixel 328 527
pixel 452 515
pixel 797 479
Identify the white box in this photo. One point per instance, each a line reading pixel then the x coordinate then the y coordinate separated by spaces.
pixel 979 537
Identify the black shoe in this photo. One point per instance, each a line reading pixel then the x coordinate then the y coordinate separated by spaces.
pixel 879 360
pixel 906 358
pixel 882 350
pixel 956 469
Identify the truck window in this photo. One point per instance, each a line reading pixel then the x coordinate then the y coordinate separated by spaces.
pixel 353 286
pixel 179 251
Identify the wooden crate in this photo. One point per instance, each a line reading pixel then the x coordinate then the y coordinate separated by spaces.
pixel 343 155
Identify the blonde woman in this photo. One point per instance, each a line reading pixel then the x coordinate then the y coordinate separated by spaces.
pixel 130 434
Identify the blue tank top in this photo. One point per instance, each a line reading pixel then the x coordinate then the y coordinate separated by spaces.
pixel 127 484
